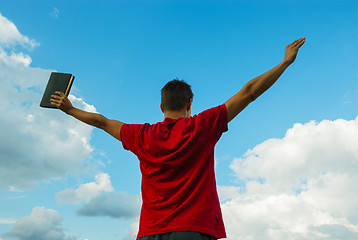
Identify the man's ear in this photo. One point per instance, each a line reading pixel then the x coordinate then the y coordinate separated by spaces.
pixel 161 107
pixel 188 106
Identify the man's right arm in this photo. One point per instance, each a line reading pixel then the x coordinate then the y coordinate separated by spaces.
pixel 257 86
pixel 113 127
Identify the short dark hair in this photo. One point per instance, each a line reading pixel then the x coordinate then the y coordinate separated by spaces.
pixel 175 95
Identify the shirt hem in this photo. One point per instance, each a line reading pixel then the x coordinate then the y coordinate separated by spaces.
pixel 218 235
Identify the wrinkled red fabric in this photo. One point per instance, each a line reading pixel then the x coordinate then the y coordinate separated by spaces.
pixel 178 179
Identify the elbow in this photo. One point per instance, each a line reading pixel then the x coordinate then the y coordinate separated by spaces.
pixel 99 124
pixel 253 97
pixel 251 94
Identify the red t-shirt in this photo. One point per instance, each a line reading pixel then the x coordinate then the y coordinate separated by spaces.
pixel 178 179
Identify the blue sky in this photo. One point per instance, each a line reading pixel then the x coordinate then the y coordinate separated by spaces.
pixel 292 148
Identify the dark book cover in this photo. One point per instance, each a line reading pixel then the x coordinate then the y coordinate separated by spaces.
pixel 61 82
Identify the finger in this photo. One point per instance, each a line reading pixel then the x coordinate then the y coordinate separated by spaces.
pixel 298 45
pixel 60 93
pixel 299 42
pixel 296 42
pixel 52 103
pixel 291 44
pixel 55 101
pixel 55 96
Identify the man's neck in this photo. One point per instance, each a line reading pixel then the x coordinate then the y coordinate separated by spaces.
pixel 176 114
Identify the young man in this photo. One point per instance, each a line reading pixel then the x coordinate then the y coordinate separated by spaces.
pixel 180 200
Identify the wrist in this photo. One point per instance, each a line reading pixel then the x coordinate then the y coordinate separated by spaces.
pixel 70 110
pixel 285 63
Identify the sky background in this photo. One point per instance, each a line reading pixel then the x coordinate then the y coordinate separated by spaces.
pixel 286 169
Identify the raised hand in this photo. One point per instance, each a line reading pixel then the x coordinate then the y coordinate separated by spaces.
pixel 61 101
pixel 291 50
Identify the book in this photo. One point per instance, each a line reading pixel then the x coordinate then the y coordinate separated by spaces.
pixel 61 82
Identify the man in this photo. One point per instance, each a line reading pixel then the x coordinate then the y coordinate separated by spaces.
pixel 180 200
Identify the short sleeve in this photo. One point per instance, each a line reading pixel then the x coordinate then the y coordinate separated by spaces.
pixel 214 120
pixel 129 136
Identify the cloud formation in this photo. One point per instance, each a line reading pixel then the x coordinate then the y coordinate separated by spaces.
pixel 302 186
pixel 118 205
pixel 7 221
pixel 85 192
pixel 10 35
pixel 42 224
pixel 36 144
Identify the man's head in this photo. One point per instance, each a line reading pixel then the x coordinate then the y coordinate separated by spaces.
pixel 176 95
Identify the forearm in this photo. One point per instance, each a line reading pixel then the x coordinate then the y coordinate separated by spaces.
pixel 93 119
pixel 253 89
pixel 260 84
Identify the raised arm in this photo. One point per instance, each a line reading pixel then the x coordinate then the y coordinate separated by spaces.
pixel 257 86
pixel 113 127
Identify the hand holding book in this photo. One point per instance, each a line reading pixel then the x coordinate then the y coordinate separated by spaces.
pixel 61 101
pixel 55 96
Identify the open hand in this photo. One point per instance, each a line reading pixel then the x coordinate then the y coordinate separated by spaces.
pixel 291 50
pixel 61 101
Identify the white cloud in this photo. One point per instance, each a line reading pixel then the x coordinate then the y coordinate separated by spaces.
pixel 87 191
pixel 302 186
pixel 15 58
pixel 7 221
pixel 228 192
pixel 55 13
pixel 42 224
pixel 112 204
pixel 132 231
pixel 10 35
pixel 14 189
pixel 36 144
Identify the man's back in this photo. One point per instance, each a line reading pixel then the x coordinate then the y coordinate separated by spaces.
pixel 178 180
